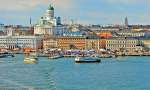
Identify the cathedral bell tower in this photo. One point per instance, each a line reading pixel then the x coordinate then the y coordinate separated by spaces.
pixel 50 13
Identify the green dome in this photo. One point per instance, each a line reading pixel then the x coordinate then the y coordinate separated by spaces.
pixel 41 17
pixel 58 17
pixel 55 17
pixel 50 8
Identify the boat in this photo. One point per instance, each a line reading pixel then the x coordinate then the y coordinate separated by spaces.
pixel 80 60
pixel 2 56
pixel 31 59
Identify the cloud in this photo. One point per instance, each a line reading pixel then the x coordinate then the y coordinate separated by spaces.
pixel 86 11
pixel 19 5
pixel 86 22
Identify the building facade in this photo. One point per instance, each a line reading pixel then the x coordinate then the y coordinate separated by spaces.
pixel 122 43
pixel 12 42
pixel 50 25
pixel 145 41
pixel 71 43
pixel 92 44
pixel 49 43
pixel 11 31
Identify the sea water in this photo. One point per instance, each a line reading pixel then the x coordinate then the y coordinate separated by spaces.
pixel 121 73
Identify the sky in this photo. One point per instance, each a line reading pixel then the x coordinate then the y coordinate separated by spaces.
pixel 18 12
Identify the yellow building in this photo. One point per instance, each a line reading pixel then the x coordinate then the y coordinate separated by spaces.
pixel 17 33
pixel 23 33
pixel 136 29
pixel 49 43
pixel 71 42
pixel 139 33
pixel 96 43
pixel 92 44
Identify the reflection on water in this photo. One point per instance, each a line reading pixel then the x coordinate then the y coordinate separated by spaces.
pixel 87 63
pixel 31 62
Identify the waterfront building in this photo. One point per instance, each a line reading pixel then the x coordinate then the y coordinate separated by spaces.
pixel 12 42
pixel 50 25
pixel 145 41
pixel 122 43
pixel 72 42
pixel 11 31
pixel 49 43
pixel 93 42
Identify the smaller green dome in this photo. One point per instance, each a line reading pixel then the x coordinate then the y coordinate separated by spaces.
pixel 58 17
pixel 50 8
pixel 55 17
pixel 41 17
pixel 45 17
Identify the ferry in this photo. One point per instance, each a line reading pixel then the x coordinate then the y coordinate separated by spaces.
pixel 80 60
pixel 31 59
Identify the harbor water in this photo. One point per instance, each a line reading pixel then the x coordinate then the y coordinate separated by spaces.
pixel 121 73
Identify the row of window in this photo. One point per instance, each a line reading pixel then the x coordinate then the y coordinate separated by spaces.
pixel 71 42
pixel 74 45
pixel 71 39
pixel 121 45
pixel 121 41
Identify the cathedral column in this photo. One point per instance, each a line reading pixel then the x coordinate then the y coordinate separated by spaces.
pixel 44 31
pixel 41 31
pixel 49 31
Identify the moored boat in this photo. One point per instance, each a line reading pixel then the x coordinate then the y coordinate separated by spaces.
pixel 80 60
pixel 31 59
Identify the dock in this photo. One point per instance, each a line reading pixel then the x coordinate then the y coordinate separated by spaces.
pixel 75 55
pixel 133 53
pixel 55 57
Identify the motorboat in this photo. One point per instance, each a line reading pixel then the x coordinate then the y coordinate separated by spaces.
pixel 31 59
pixel 80 60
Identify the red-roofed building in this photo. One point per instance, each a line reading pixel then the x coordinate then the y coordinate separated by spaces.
pixel 105 35
pixel 117 26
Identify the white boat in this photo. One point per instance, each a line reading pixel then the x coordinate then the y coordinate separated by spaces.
pixel 80 60
pixel 31 59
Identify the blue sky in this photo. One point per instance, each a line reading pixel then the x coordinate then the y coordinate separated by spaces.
pixel 86 11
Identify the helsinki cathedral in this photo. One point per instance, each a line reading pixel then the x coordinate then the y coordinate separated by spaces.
pixel 50 25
